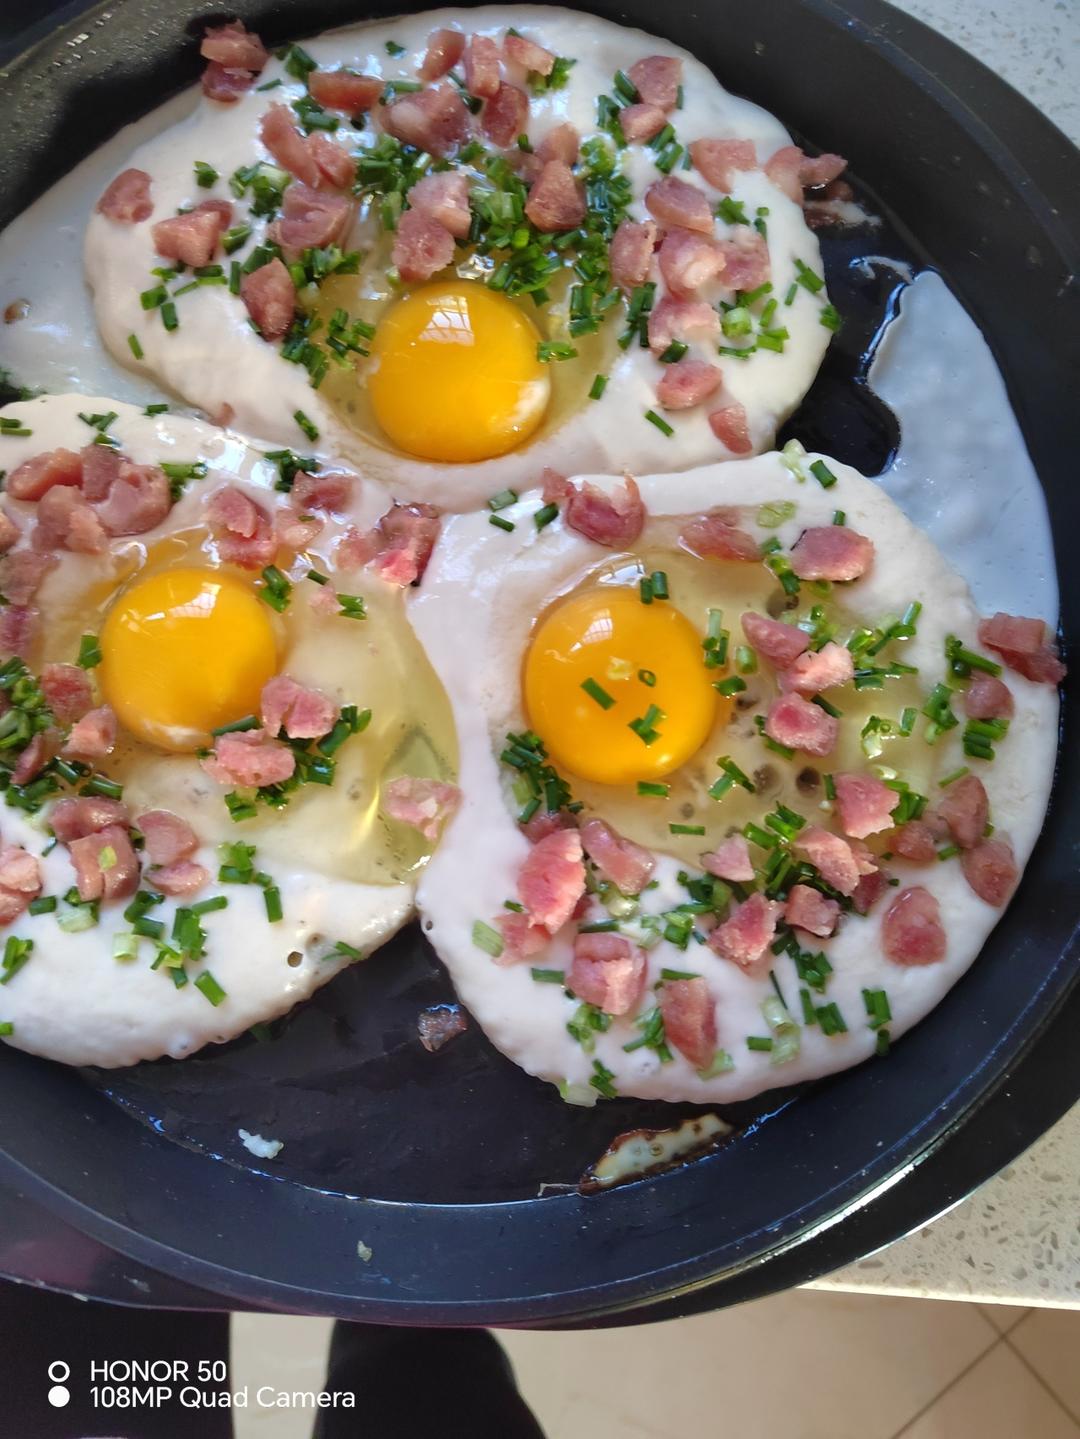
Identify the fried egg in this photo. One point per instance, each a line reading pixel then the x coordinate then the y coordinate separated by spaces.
pixel 186 640
pixel 631 686
pixel 495 367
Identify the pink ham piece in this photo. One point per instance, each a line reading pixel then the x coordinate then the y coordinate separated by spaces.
pixel 987 697
pixel 67 692
pixel 506 116
pixel 76 818
pixel 521 938
pixel 270 298
pixel 864 804
pixel 127 199
pixel 168 837
pixel 295 531
pixel 631 253
pixel 425 804
pixel 20 881
pixel 965 808
pixel 93 736
pixel 554 487
pixel 731 427
pixel 184 877
pixel 192 238
pixel 791 171
pixel 816 670
pixel 831 552
pixel 437 1026
pixel 235 47
pixel 310 219
pixel 407 535
pixel 774 641
pixel 839 865
pixel 243 529
pixel 302 712
pixel 31 479
pixel 250 758
pixel 689 1016
pixel 628 866
pixel 344 90
pixel 445 198
pixel 106 866
pixel 444 50
pixel 21 574
pixel 432 120
pixel 552 879
pixel 9 532
pixel 676 202
pixel 717 160
pixel 138 500
pixel 100 466
pixel 328 490
pixel 1023 645
pixel 66 522
pixel 914 841
pixel 730 860
pixel 32 761
pixel 545 822
pixel 801 725
pixel 18 629
pixel 529 55
pixel 746 259
pixel 675 319
pixel 991 870
pixel 556 201
pixel 689 260
pixel 481 66
pixel 911 930
pixel 286 144
pixel 812 911
pixel 562 142
pixel 614 519
pixel 687 383
pixel 334 163
pixel 869 890
pixel 640 123
pixel 745 936
pixel 224 85
pixel 717 536
pixel 608 971
pixel 657 78
pixel 422 247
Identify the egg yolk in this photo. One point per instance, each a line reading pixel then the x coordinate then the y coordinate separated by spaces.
pixel 454 374
pixel 597 662
pixel 185 651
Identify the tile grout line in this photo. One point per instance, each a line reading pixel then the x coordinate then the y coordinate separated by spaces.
pixel 1036 1375
pixel 905 1428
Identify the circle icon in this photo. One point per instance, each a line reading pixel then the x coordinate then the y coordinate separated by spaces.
pixel 58 1396
pixel 59 1371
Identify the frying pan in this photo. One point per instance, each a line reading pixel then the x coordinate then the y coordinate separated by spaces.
pixel 456 1169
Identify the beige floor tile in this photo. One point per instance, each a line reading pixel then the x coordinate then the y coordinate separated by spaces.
pixel 768 1358
pixel 286 1351
pixel 1049 1339
pixel 1004 1316
pixel 998 1399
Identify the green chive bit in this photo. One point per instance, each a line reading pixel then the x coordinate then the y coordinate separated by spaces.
pixel 168 316
pixel 647 678
pixel 44 904
pixel 648 787
pixel 543 517
pixel 954 776
pixel 807 278
pixel 686 828
pixel 503 500
pixel 645 725
pixel 548 350
pixel 824 476
pixel 877 1007
pixel 308 426
pixel 276 589
pixel 733 685
pixel 758 1042
pixel 205 175
pixel 272 901
pixel 598 386
pixel 603 1080
pixel 352 607
pixel 660 423
pixel 156 410
pixel 548 976
pixel 830 318
pixel 16 954
pixel 134 346
pixel 501 524
pixel 7 1029
pixel 597 692
pixel 394 50
pixel 659 582
pixel 645 590
pixel 89 652
pixel 487 939
pixel 881 1048
pixel 208 986
pixel 839 517
pixel 949 852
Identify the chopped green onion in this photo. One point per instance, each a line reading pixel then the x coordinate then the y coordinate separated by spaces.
pixel 597 692
pixel 686 828
pixel 89 652
pixel 501 524
pixel 306 425
pixel 135 347
pixel 205 175
pixel 648 787
pixel 352 607
pixel 44 904
pixel 502 500
pixel 955 775
pixel 543 517
pixel 660 423
pixel 602 1080
pixel 276 589
pixel 208 986
pixel 824 476
pixel 598 386
pixel 272 901
pixel 807 278
pixel 487 939
pixel 548 976
pixel 17 953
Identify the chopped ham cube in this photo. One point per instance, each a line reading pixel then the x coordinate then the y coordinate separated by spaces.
pixel 528 54
pixel 657 79
pixel 67 692
pixel 138 500
pixel 425 804
pixel 987 697
pixel 66 522
pixel 93 736
pixel 224 85
pixel 521 938
pixel 303 713
pixel 676 202
pixel 344 91
pixel 270 297
pixel 106 866
pixel 774 641
pixel 234 46
pixel 640 123
pixel 127 198
pixel 76 818
pixel 631 252
pixel 21 574
pixel 327 490
pixel 407 538
pixel 506 116
pixel 680 320
pixel 179 879
pixel 914 841
pixel 745 253
pixel 481 66
pixel 32 761
pixel 745 936
pixel 9 531
pixel 687 383
pixel 911 931
pixel 422 246
pixel 279 133
pixel 552 879
pixel 100 466
pixel 20 881
pixel 554 487
pixel 799 724
pixel 831 552
pixel 864 804
pixel 243 529
pixel 991 870
pixel 168 837
pixel 717 536
pixel 689 1015
pixel 791 171
pixel 614 519
pixel 556 201
pixel 31 479
pixel 310 219
pixel 817 670
pixel 444 196
pixel 689 260
pixel 249 758
pixel 730 860
pixel 444 50
pixel 432 120
pixel 1022 644
pixel 18 629
pixel 608 971
pixel 192 238
pixel 810 910
pixel 965 808
pixel 562 142
pixel 336 166
pixel 716 160
pixel 628 866
pixel 731 427
pixel 832 857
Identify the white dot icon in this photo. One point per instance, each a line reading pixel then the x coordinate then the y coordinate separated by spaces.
pixel 59 1396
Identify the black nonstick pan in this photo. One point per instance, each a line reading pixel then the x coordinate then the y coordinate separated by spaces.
pixel 457 1170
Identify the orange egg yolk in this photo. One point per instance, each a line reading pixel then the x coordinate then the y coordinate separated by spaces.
pixel 454 374
pixel 617 689
pixel 184 651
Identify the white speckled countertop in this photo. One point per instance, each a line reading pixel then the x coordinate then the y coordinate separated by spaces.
pixel 1017 1239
